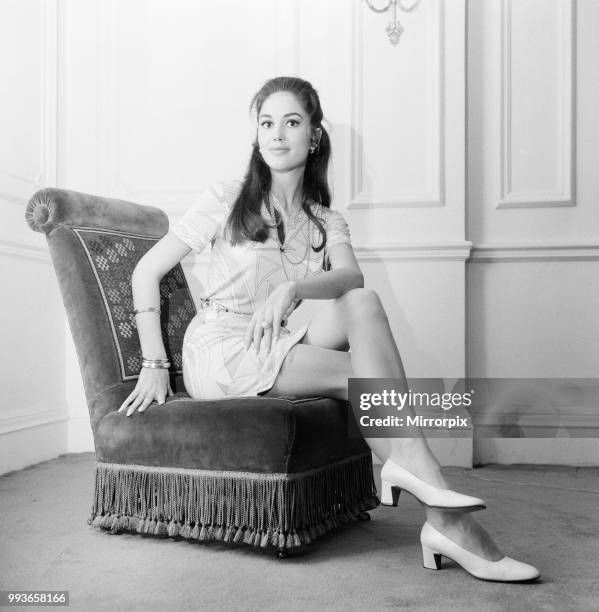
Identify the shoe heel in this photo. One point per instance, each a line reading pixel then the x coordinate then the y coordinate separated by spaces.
pixel 389 493
pixel 430 559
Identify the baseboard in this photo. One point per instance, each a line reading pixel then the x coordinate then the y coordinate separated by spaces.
pixel 24 447
pixel 18 421
pixel 546 451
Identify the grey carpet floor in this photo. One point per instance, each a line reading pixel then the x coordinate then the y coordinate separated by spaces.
pixel 544 515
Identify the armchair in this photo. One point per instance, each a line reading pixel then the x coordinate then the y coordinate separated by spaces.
pixel 269 472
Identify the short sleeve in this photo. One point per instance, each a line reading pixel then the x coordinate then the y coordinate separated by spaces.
pixel 337 230
pixel 201 222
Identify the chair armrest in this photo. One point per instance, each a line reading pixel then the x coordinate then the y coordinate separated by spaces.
pixel 51 208
pixel 95 243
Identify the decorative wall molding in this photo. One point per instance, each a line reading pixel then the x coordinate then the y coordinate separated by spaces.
pixel 407 251
pixel 416 251
pixel 359 196
pixel 566 119
pixel 28 251
pixel 17 422
pixel 457 251
pixel 566 251
pixel 18 189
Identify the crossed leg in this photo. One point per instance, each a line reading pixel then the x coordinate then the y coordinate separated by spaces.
pixel 321 365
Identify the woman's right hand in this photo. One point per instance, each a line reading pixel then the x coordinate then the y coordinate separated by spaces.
pixel 152 384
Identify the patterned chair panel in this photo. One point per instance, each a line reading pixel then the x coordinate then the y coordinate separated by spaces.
pixel 113 256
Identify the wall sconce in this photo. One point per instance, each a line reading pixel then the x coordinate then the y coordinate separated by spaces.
pixel 394 29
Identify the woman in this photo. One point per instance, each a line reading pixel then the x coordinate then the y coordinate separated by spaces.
pixel 277 237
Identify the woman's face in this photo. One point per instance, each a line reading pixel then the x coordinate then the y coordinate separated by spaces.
pixel 284 132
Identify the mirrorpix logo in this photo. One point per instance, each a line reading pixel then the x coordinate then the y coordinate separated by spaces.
pixel 393 408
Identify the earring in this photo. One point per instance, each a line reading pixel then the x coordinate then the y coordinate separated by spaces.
pixel 313 147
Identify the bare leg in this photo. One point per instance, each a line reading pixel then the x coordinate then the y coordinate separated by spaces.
pixel 358 320
pixel 321 365
pixel 374 354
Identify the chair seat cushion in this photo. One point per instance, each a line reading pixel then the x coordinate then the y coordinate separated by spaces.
pixel 252 434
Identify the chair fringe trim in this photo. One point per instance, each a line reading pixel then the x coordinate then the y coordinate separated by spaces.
pixel 282 510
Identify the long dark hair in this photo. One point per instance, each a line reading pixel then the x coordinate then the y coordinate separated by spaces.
pixel 245 220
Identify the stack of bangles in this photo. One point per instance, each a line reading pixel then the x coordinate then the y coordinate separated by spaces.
pixel 163 364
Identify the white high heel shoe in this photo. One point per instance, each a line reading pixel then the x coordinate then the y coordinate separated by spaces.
pixel 435 545
pixel 394 478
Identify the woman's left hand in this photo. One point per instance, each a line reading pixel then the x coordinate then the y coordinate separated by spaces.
pixel 266 321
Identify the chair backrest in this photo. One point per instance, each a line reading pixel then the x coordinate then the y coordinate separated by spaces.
pixel 95 243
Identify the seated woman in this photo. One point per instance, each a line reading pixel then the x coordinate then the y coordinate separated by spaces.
pixel 279 243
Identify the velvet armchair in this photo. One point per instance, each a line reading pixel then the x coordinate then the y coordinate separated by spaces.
pixel 265 471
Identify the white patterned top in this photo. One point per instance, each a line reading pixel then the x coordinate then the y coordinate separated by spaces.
pixel 241 277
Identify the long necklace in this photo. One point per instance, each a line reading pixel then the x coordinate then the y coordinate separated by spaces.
pixel 282 238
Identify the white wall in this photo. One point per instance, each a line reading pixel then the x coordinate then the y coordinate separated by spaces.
pixel 147 101
pixel 533 190
pixel 155 107
pixel 33 409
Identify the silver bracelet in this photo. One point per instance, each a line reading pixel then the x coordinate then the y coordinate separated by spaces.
pixel 163 365
pixel 149 309
pixel 155 363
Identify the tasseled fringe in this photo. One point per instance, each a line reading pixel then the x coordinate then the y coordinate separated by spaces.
pixel 282 510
